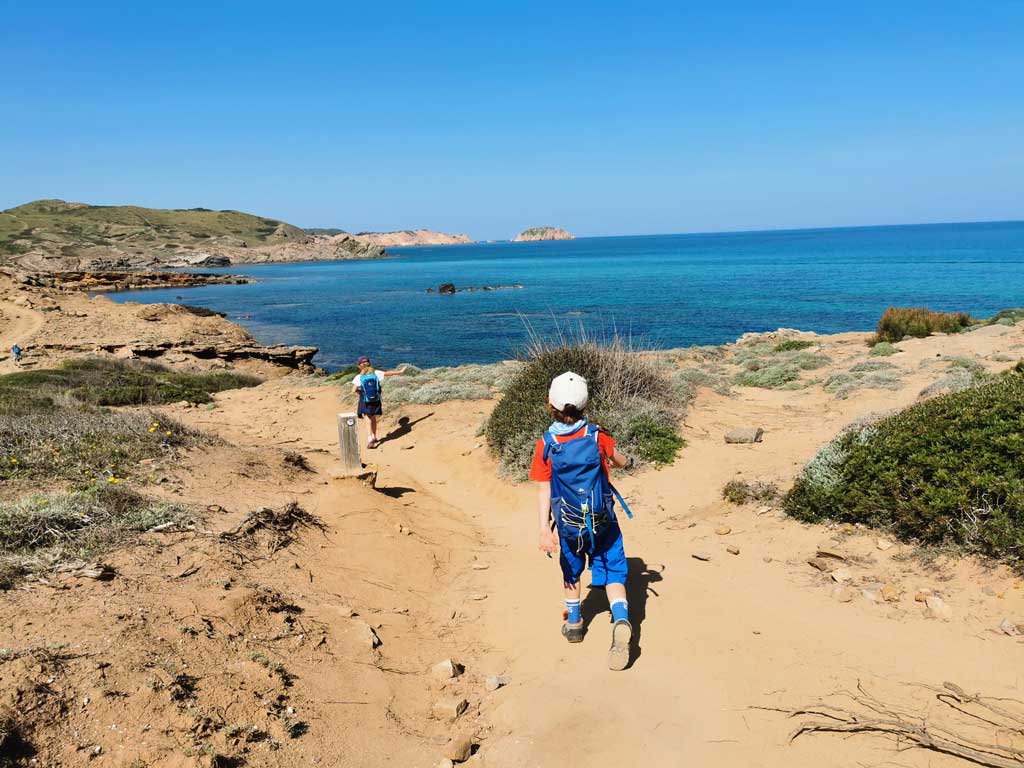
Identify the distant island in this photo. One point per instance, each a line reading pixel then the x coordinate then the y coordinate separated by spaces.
pixel 54 235
pixel 542 233
pixel 401 237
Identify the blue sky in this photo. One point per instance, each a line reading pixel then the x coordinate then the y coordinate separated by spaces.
pixel 486 118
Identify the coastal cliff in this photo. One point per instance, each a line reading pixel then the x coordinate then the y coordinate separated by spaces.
pixel 54 235
pixel 542 233
pixel 411 237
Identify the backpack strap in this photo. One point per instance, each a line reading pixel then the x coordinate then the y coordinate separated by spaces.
pixel 622 501
pixel 549 444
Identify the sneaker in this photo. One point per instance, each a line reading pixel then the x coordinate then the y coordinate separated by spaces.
pixel 618 654
pixel 573 632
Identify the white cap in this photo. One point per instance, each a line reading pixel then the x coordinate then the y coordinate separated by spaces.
pixel 568 389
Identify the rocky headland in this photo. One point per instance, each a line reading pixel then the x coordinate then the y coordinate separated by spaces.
pixel 54 235
pixel 411 237
pixel 542 233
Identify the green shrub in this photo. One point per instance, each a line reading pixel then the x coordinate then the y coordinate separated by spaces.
pixel 898 323
pixel 629 396
pixel 956 379
pixel 119 382
pixel 947 470
pixel 743 492
pixel 793 345
pixel 41 531
pixel 689 379
pixel 1006 317
pixel 866 366
pixel 774 376
pixel 883 349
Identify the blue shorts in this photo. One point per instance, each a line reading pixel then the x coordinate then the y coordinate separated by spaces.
pixel 607 559
pixel 369 409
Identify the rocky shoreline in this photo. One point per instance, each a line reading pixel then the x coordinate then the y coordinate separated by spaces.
pixel 104 282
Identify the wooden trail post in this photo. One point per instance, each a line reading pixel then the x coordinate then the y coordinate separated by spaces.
pixel 348 443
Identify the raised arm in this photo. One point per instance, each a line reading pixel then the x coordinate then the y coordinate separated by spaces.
pixel 395 372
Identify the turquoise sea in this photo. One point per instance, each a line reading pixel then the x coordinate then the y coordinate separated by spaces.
pixel 663 290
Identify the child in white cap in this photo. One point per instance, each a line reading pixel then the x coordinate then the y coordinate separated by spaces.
pixel 570 466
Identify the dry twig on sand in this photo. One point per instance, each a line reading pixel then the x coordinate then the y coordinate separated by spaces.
pixel 283 526
pixel 980 729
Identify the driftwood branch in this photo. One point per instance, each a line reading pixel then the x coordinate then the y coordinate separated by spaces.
pixel 982 730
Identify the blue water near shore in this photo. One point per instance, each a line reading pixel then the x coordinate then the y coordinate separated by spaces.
pixel 663 290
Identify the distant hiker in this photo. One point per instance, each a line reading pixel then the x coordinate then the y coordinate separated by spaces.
pixel 570 465
pixel 368 384
pixel 16 353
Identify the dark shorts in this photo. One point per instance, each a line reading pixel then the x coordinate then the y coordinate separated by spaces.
pixel 369 409
pixel 607 559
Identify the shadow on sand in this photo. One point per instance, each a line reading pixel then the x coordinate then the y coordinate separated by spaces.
pixel 404 427
pixel 638 588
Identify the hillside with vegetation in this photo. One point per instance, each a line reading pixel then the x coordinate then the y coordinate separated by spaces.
pixel 58 235
pixel 542 233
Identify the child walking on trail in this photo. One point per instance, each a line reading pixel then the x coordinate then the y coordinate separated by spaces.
pixel 368 384
pixel 570 466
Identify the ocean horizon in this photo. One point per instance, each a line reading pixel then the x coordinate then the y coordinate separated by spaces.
pixel 663 291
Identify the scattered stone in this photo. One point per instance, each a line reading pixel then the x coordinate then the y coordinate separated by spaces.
pixel 447 288
pixel 723 530
pixel 844 594
pixel 891 593
pixel 883 544
pixel 408 447
pixel 459 748
pixel 744 435
pixel 828 550
pixel 733 550
pixel 922 595
pixel 368 636
pixel 988 591
pixel 821 564
pixel 494 682
pixel 767 558
pixel 449 708
pixel 480 566
pixel 936 608
pixel 446 670
pixel 703 556
pixel 1009 627
pixel 97 571
pixel 763 510
pixel 478 597
pixel 842 575
pixel 870 594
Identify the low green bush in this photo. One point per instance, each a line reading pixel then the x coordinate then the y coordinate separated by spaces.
pixel 744 492
pixel 41 531
pixel 1006 317
pixel 946 470
pixel 883 349
pixel 630 396
pixel 793 345
pixel 898 323
pixel 118 382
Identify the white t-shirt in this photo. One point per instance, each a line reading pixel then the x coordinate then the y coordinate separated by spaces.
pixel 357 381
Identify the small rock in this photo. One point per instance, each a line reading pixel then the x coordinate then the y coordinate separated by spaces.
pixel 844 594
pixel 480 566
pixel 449 708
pixel 891 593
pixel 767 558
pixel 733 550
pixel 494 682
pixel 828 550
pixel 703 556
pixel 408 447
pixel 479 596
pixel 883 544
pixel 936 608
pixel 871 594
pixel 763 510
pixel 446 670
pixel 744 435
pixel 723 530
pixel 821 564
pixel 988 591
pixel 459 748
pixel 1009 628
pixel 922 595
pixel 842 575
pixel 368 636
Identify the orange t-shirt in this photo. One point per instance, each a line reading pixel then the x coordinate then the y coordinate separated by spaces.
pixel 540 470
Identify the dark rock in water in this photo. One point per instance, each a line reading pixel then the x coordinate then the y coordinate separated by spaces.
pixel 446 288
pixel 450 288
pixel 213 261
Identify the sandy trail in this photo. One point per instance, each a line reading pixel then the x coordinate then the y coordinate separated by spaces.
pixel 17 324
pixel 716 639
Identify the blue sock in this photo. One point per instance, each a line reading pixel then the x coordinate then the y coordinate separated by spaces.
pixel 573 607
pixel 620 610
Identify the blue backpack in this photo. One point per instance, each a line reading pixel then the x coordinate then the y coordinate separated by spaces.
pixel 582 497
pixel 370 385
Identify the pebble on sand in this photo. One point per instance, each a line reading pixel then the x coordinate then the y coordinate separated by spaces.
pixel 891 593
pixel 703 556
pixel 494 682
pixel 733 550
pixel 723 530
pixel 449 708
pixel 446 670
pixel 844 594
pixel 1009 627
pixel 459 748
pixel 744 435
pixel 936 608
pixel 842 575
